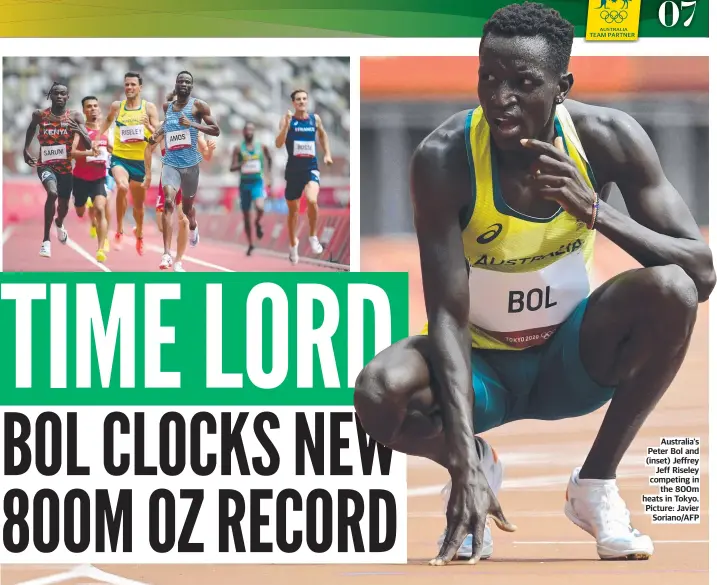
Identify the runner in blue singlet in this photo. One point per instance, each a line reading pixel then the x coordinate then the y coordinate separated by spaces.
pixel 299 131
pixel 185 117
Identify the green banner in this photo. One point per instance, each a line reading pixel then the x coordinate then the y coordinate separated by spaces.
pixel 280 18
pixel 194 339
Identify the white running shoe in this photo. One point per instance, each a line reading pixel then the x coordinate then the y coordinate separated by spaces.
pixel 178 267
pixel 194 237
pixel 493 470
pixel 294 254
pixel 595 506
pixel 61 233
pixel 166 262
pixel 45 251
pixel 316 246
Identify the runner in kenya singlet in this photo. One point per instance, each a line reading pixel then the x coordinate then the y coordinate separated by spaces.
pixel 526 274
pixel 55 140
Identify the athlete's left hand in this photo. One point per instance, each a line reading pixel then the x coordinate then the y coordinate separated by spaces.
pixel 212 144
pixel 557 177
pixel 184 121
pixel 328 160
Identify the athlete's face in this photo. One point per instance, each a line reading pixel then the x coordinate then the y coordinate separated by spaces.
pixel 183 85
pixel 132 87
pixel 301 102
pixel 91 110
pixel 249 132
pixel 518 89
pixel 59 96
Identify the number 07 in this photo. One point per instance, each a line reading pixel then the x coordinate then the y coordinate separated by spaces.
pixel 675 12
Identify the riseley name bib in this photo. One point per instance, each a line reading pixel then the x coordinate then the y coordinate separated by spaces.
pixel 524 309
pixel 130 134
pixel 304 148
pixel 251 166
pixel 53 153
pixel 178 139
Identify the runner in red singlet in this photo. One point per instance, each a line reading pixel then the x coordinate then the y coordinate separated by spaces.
pixel 56 128
pixel 90 173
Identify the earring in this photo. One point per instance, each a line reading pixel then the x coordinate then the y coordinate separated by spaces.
pixel 559 100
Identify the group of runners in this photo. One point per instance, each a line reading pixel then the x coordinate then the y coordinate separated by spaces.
pixel 80 159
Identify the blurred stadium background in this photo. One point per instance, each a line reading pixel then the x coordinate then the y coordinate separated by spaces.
pixel 238 89
pixel 404 98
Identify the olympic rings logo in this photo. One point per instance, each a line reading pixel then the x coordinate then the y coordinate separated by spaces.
pixel 614 16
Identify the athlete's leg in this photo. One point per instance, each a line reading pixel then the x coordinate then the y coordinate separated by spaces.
pixel 311 191
pixel 189 186
pixel 182 238
pixel 634 336
pixel 171 182
pixel 139 193
pixel 259 198
pixel 121 177
pixel 64 192
pixel 49 182
pixel 99 214
pixel 245 205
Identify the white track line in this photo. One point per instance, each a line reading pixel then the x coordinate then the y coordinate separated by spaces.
pixel 532 542
pixel 85 254
pixel 526 514
pixel 190 259
pixel 75 573
pixel 98 575
pixel 7 233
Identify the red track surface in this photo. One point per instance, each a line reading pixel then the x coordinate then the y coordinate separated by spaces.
pixel 21 246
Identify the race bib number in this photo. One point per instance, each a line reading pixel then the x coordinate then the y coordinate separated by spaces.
pixel 251 167
pixel 129 134
pixel 524 309
pixel 304 148
pixel 54 153
pixel 101 158
pixel 178 139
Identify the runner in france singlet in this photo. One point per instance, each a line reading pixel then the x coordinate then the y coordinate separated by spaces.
pixel 301 145
pixel 526 274
pixel 55 140
pixel 130 132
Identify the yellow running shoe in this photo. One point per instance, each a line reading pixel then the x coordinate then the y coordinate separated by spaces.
pixel 100 255
pixel 93 232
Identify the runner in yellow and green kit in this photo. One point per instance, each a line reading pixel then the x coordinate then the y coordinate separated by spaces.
pixel 130 141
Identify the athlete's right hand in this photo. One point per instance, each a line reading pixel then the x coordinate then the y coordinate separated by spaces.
pixel 29 159
pixel 287 117
pixel 147 183
pixel 470 503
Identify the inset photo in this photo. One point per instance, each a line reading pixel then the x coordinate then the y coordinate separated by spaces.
pixel 137 164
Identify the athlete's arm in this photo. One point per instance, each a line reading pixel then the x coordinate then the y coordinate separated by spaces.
pixel 75 152
pixel 209 125
pixel 236 160
pixel 660 229
pixel 77 125
pixel 29 135
pixel 323 140
pixel 206 147
pixel 153 115
pixel 109 120
pixel 283 129
pixel 267 157
pixel 147 183
pixel 440 188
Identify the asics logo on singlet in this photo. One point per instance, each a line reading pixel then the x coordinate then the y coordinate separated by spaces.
pixel 492 233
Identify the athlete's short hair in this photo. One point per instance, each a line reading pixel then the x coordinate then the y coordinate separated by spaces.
pixel 88 98
pixel 185 73
pixel 534 19
pixel 298 91
pixel 134 74
pixel 54 85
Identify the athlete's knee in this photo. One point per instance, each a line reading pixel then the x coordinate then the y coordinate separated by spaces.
pixel 169 206
pixel 380 396
pixel 52 194
pixel 672 296
pixel 122 187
